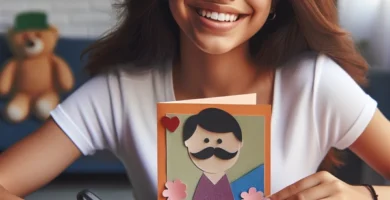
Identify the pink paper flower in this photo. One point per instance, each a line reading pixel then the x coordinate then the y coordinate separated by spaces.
pixel 176 190
pixel 253 194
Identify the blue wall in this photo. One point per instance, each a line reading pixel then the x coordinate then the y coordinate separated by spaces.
pixel 379 89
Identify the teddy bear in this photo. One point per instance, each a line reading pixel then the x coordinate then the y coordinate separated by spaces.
pixel 34 77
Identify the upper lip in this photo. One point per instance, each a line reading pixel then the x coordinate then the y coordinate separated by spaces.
pixel 217 8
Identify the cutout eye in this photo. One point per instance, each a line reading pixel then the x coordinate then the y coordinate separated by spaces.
pixel 219 141
pixel 206 140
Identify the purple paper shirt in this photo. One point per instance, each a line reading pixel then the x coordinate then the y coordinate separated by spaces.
pixel 206 190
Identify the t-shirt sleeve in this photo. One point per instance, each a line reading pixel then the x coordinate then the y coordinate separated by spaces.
pixel 342 108
pixel 91 117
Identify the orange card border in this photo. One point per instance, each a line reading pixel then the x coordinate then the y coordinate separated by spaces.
pixel 164 108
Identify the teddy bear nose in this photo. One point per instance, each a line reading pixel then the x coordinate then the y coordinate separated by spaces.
pixel 30 43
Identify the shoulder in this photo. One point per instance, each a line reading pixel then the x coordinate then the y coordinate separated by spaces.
pixel 322 90
pixel 311 69
pixel 308 65
pixel 131 73
pixel 128 78
pixel 121 85
pixel 98 111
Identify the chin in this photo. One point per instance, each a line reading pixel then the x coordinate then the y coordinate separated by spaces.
pixel 215 46
pixel 216 50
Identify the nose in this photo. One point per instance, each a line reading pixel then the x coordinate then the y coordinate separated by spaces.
pixel 30 43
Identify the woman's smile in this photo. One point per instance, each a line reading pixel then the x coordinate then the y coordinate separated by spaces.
pixel 219 17
pixel 215 17
pixel 216 22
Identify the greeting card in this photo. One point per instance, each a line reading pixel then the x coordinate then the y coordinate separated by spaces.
pixel 214 149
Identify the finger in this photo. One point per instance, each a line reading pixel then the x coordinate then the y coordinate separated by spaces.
pixel 335 197
pixel 302 185
pixel 9 196
pixel 5 194
pixel 295 188
pixel 321 191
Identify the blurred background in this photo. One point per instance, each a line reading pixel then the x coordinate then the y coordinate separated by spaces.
pixel 80 22
pixel 368 21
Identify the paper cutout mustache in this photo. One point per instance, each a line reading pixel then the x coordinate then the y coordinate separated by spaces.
pixel 217 152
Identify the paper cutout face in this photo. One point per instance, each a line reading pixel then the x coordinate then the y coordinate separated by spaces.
pixel 213 139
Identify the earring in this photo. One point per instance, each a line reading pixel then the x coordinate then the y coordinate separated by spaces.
pixel 272 16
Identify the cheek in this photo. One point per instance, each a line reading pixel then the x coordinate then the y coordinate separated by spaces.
pixel 196 147
pixel 48 39
pixel 260 5
pixel 261 10
pixel 17 39
pixel 231 146
pixel 179 12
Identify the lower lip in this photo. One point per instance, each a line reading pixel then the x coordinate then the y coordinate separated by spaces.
pixel 217 25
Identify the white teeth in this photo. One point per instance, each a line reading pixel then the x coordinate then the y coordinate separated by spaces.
pixel 223 17
pixel 214 15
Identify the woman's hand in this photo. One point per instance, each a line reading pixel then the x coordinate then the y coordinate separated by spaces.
pixel 5 195
pixel 322 186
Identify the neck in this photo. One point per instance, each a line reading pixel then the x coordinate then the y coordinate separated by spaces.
pixel 207 75
pixel 214 178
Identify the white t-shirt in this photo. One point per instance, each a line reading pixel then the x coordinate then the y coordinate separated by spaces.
pixel 316 106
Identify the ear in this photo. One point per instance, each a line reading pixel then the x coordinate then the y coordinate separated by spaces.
pixel 10 33
pixel 54 30
pixel 9 36
pixel 186 143
pixel 241 144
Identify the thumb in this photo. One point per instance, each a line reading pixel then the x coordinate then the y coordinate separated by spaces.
pixel 6 195
pixel 269 197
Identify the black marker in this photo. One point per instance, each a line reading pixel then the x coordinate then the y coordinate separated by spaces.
pixel 87 195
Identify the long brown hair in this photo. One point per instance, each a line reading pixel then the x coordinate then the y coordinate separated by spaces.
pixel 147 34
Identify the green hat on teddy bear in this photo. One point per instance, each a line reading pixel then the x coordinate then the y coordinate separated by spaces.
pixel 31 21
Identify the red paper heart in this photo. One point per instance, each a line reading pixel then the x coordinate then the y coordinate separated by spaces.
pixel 170 123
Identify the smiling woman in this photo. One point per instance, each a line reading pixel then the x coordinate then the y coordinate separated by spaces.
pixel 295 27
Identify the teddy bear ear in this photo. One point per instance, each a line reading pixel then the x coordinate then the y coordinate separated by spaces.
pixel 10 32
pixel 54 29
